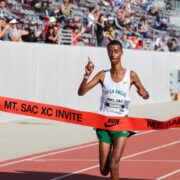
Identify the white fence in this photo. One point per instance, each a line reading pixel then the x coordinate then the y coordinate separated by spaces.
pixel 52 74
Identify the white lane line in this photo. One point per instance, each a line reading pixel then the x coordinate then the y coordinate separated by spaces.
pixel 152 149
pixel 96 160
pixel 71 149
pixel 44 155
pixel 139 160
pixel 126 157
pixel 169 174
pixel 67 150
pixel 76 172
pixel 146 132
pixel 76 160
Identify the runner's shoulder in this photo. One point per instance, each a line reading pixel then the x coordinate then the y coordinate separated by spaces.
pixel 134 77
pixel 101 75
pixel 133 74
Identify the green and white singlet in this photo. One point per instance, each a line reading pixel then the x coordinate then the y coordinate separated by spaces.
pixel 115 95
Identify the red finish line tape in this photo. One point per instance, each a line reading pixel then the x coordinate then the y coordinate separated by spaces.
pixel 63 114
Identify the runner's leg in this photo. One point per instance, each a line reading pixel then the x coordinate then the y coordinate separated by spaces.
pixel 104 157
pixel 118 147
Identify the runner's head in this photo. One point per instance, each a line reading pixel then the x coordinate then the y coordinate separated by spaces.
pixel 114 42
pixel 114 51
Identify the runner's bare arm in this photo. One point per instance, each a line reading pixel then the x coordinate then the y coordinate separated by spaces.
pixel 85 87
pixel 140 88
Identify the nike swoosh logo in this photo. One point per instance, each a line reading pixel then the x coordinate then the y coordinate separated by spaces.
pixel 110 125
pixel 112 122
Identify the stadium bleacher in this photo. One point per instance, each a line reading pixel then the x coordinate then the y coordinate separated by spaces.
pixel 147 9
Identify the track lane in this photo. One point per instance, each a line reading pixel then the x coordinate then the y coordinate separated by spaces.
pixel 33 167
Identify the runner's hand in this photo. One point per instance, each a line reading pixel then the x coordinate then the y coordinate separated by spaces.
pixel 144 94
pixel 89 67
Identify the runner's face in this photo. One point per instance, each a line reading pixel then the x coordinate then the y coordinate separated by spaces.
pixel 115 53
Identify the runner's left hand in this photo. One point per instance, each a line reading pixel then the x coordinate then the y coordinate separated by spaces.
pixel 144 94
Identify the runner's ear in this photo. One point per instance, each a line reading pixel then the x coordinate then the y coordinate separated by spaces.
pixel 122 52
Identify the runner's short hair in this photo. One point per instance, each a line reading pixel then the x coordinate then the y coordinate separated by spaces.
pixel 114 42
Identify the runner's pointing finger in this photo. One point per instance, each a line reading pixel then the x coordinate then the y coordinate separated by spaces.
pixel 90 63
pixel 89 60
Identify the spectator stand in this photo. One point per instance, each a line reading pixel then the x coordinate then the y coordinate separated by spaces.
pixel 172 30
pixel 15 9
pixel 176 5
pixel 23 11
pixel 9 14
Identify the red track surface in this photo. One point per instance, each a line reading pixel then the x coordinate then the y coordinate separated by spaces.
pixel 148 155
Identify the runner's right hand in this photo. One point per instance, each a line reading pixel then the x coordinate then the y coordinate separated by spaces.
pixel 89 67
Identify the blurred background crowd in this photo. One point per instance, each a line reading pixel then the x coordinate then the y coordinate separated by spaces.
pixel 138 24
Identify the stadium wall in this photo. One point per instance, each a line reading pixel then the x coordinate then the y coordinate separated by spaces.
pixel 52 74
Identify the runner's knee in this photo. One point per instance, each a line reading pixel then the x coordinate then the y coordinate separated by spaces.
pixel 114 164
pixel 104 171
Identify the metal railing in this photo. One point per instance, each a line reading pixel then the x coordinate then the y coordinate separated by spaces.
pixel 65 37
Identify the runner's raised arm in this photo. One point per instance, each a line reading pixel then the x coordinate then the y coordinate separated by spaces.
pixel 98 78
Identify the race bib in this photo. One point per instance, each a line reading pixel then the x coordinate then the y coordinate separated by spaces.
pixel 115 105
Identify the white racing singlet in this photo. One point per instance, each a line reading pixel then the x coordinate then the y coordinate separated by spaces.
pixel 115 95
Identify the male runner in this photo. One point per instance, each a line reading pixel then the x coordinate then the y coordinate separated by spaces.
pixel 115 83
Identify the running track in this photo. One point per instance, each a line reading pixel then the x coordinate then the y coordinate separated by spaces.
pixel 148 155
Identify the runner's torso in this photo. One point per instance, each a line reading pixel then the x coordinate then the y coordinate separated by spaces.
pixel 115 95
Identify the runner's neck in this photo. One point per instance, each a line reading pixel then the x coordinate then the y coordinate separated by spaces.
pixel 115 69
